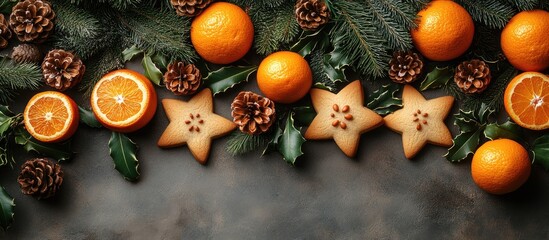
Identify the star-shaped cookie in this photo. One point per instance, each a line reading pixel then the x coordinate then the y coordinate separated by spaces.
pixel 194 123
pixel 421 121
pixel 342 117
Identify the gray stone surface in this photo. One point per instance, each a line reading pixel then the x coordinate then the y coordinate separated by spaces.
pixel 378 195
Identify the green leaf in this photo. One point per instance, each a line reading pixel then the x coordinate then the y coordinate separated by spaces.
pixel 88 118
pixel 6 120
pixel 334 72
pixel 437 78
pixel 123 152
pixel 227 77
pixel 58 151
pixel 310 41
pixel 509 130
pixel 129 53
pixel 273 144
pixel 151 70
pixel 160 60
pixel 383 100
pixel 465 144
pixel 304 115
pixel 290 142
pixel 541 151
pixel 7 204
pixel 337 58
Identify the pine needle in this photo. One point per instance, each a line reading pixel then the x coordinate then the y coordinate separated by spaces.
pixel 99 65
pixel 240 143
pixel 274 27
pixel 75 21
pixel 492 13
pixel 396 33
pixel 524 4
pixel 15 77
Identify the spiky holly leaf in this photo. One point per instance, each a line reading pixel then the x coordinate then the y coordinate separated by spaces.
pixel 123 152
pixel 337 58
pixel 383 100
pixel 304 115
pixel 437 78
pixel 272 145
pixel 129 53
pixel 290 141
pixel 87 117
pixel 310 41
pixel 509 130
pixel 227 77
pixel 58 151
pixel 7 204
pixel 541 151
pixel 152 72
pixel 6 120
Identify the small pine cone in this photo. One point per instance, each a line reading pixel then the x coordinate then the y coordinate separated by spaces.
pixel 5 33
pixel 472 76
pixel 40 177
pixel 62 69
pixel 32 20
pixel 26 53
pixel 253 113
pixel 189 8
pixel 405 67
pixel 182 79
pixel 311 14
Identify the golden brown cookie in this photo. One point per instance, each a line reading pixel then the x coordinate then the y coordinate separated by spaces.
pixel 421 121
pixel 194 123
pixel 342 117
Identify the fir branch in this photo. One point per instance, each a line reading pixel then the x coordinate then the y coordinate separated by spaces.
pixel 358 38
pixel 403 13
pixel 99 65
pixel 492 13
pixel 416 5
pixel 240 143
pixel 486 44
pixel 75 21
pixel 395 32
pixel 524 4
pixel 262 3
pixel 274 27
pixel 14 77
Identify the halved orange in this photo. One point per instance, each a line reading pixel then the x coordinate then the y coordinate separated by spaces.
pixel 123 100
pixel 526 100
pixel 51 116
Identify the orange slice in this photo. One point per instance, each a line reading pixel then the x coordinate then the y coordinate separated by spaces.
pixel 51 116
pixel 526 100
pixel 124 101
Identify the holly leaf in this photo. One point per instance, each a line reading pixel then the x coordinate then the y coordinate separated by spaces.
pixel 541 151
pixel 304 115
pixel 160 60
pixel 7 119
pixel 123 152
pixel 227 77
pixel 272 145
pixel 308 42
pixel 334 72
pixel 290 141
pixel 337 58
pixel 58 151
pixel 509 130
pixel 151 70
pixel 7 204
pixel 87 117
pixel 383 100
pixel 436 78
pixel 465 143
pixel 129 53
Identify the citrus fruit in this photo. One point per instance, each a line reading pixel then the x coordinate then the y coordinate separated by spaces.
pixel 526 100
pixel 524 40
pixel 500 166
pixel 223 33
pixel 445 31
pixel 51 116
pixel 284 77
pixel 123 100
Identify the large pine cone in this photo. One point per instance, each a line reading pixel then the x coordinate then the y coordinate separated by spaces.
pixel 473 76
pixel 5 33
pixel 311 14
pixel 405 66
pixel 253 113
pixel 26 53
pixel 32 20
pixel 40 177
pixel 189 8
pixel 182 79
pixel 62 70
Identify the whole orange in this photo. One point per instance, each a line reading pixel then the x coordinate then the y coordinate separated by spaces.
pixel 223 33
pixel 284 77
pixel 445 31
pixel 526 100
pixel 500 166
pixel 524 40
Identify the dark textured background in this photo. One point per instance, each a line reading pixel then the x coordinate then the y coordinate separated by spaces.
pixel 378 195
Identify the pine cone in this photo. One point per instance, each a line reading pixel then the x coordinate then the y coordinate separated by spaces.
pixel 472 76
pixel 404 67
pixel 182 79
pixel 5 33
pixel 26 53
pixel 62 70
pixel 189 8
pixel 40 177
pixel 253 113
pixel 32 20
pixel 311 14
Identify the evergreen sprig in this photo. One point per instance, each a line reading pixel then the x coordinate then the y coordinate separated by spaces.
pixel 492 13
pixel 15 77
pixel 240 143
pixel 96 67
pixel 393 20
pixel 274 27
